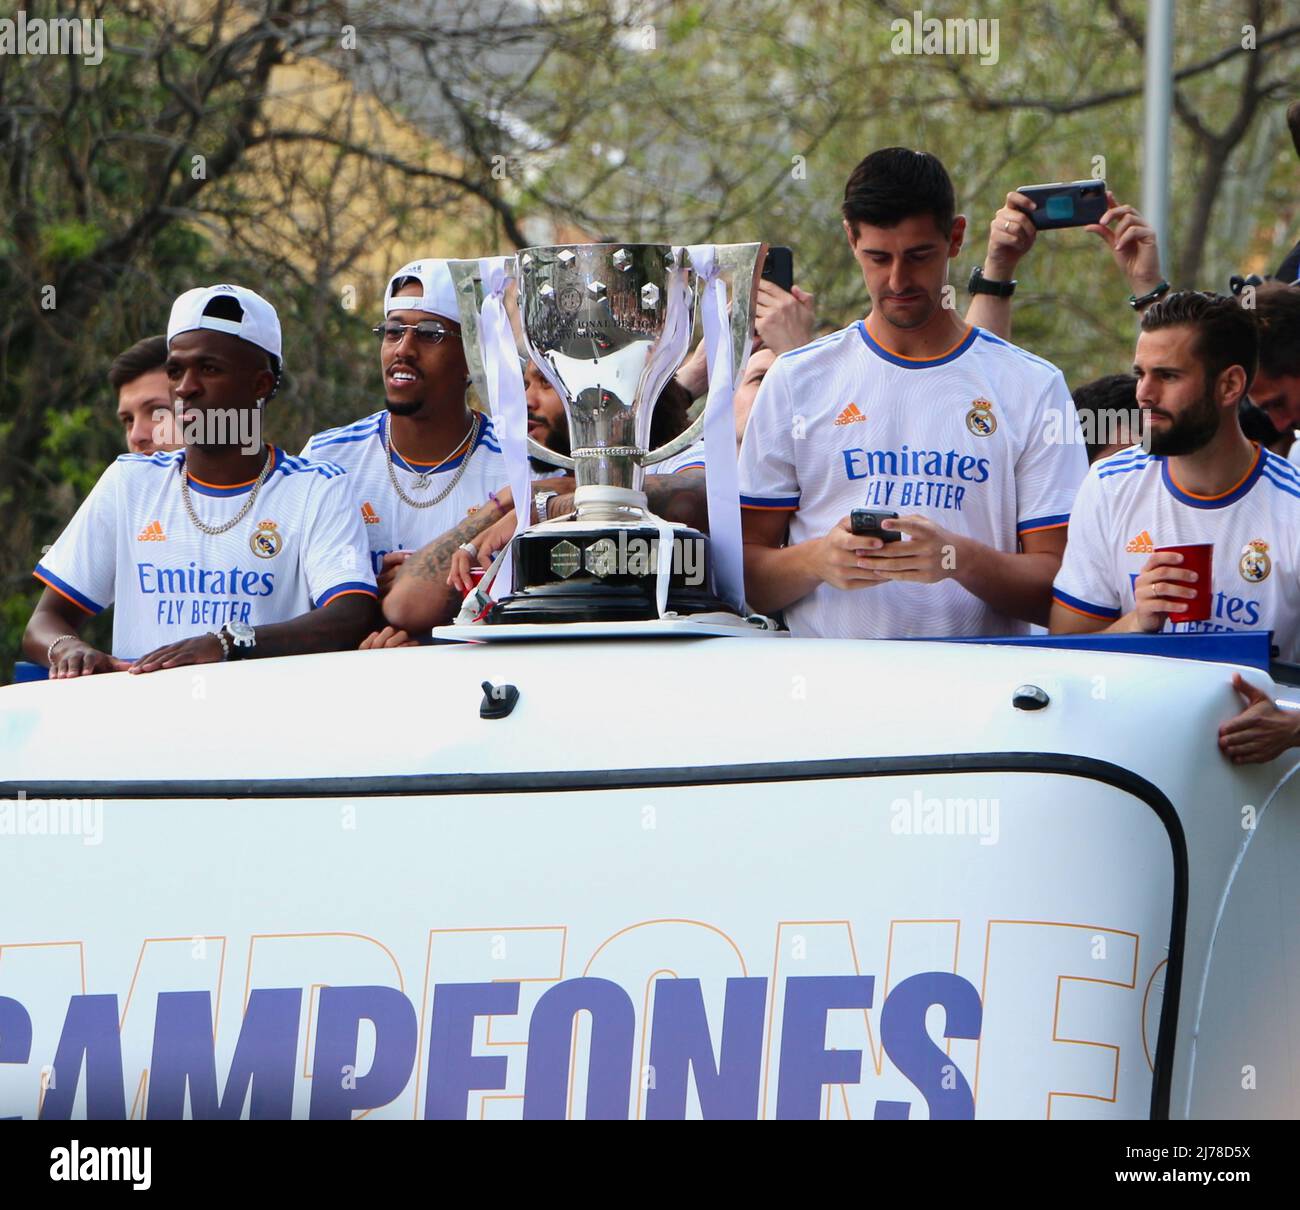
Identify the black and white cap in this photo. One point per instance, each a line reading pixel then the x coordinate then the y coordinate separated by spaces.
pixel 257 323
pixel 439 295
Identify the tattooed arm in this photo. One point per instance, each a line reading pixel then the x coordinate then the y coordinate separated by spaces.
pixel 680 497
pixel 420 597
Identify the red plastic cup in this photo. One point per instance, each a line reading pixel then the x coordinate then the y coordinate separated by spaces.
pixel 1197 557
pixel 476 574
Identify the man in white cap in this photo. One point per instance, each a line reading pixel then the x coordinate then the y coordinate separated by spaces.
pixel 425 463
pixel 225 549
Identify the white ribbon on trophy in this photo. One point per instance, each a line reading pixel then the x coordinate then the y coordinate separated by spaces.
pixel 722 483
pixel 505 382
pixel 664 563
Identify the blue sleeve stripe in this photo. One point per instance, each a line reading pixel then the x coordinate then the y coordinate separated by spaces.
pixel 64 589
pixel 1086 607
pixel 1124 458
pixel 159 459
pixel 1043 522
pixel 1140 465
pixel 350 586
pixel 327 468
pixel 1287 469
pixel 768 501
pixel 1291 489
pixel 373 431
pixel 331 470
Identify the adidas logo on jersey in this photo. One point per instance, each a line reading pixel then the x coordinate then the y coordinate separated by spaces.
pixel 368 514
pixel 1141 545
pixel 851 415
pixel 153 532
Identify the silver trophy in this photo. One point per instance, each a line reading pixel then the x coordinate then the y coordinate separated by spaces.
pixel 608 325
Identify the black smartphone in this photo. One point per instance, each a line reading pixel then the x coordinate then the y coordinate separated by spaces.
pixel 1066 203
pixel 778 268
pixel 866 522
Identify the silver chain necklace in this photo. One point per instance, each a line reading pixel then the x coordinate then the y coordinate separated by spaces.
pixel 423 477
pixel 203 526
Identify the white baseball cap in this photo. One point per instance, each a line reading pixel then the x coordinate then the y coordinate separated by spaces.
pixel 259 324
pixel 438 297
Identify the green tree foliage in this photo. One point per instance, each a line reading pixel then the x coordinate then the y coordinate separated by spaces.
pixel 159 169
pixel 736 122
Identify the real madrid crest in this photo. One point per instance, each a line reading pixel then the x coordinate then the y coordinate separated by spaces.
pixel 265 541
pixel 980 419
pixel 1255 563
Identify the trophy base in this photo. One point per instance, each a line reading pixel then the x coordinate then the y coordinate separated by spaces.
pixel 571 572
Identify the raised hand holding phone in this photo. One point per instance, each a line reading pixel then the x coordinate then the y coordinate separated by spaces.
pixel 784 321
pixel 1132 242
pixel 1011 235
pixel 1066 203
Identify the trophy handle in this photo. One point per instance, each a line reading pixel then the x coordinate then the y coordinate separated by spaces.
pixel 742 267
pixel 688 436
pixel 743 264
pixel 469 299
pixel 537 450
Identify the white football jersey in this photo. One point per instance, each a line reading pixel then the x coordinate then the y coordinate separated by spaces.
pixel 132 545
pixel 983 440
pixel 389 523
pixel 691 458
pixel 1130 504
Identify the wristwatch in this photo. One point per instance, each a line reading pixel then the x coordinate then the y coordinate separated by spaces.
pixel 979 284
pixel 541 502
pixel 243 638
pixel 1159 292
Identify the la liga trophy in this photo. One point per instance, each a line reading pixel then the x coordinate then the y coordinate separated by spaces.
pixel 608 325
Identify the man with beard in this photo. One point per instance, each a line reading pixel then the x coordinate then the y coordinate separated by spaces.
pixel 1201 480
pixel 426 464
pixel 915 412
pixel 547 423
pixel 549 426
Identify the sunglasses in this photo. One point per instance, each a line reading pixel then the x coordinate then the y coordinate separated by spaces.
pixel 427 332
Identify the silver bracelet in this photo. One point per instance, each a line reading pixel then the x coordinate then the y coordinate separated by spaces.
pixel 49 651
pixel 220 635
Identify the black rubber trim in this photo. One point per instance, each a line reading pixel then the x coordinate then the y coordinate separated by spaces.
pixel 1284 673
pixel 708 775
